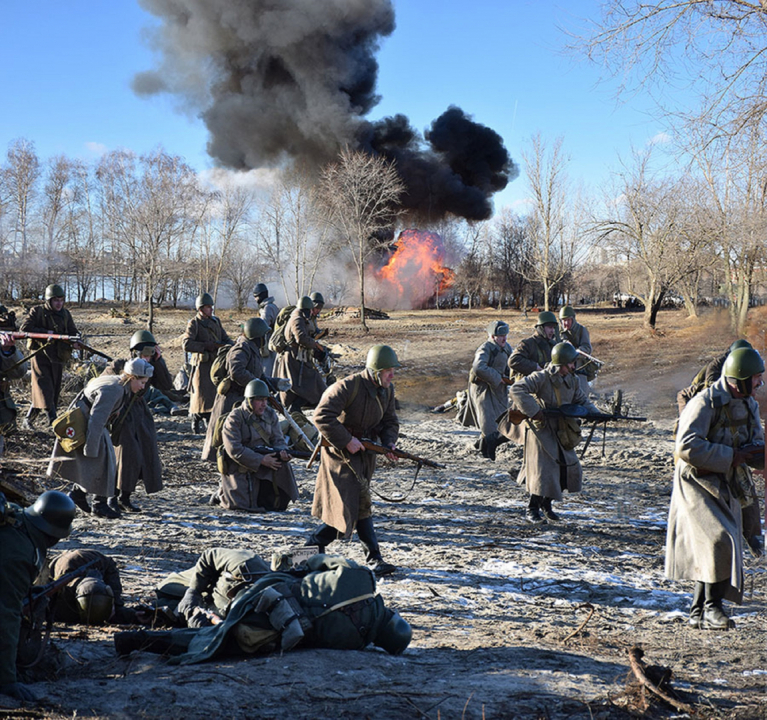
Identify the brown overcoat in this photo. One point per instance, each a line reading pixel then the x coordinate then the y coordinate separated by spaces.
pixel 543 456
pixel 244 430
pixel 199 331
pixel 578 336
pixel 296 363
pixel 704 537
pixel 355 406
pixel 48 365
pixel 532 353
pixel 93 466
pixel 488 397
pixel 243 364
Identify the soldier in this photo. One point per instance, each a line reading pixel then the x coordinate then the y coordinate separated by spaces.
pixel 711 482
pixel 91 467
pixel 48 365
pixel 253 479
pixel 297 364
pixel 359 406
pixel 532 353
pixel 550 463
pixel 578 336
pixel 25 537
pixel 334 605
pixel 12 367
pixel 133 432
pixel 488 395
pixel 268 312
pixel 210 585
pixel 204 336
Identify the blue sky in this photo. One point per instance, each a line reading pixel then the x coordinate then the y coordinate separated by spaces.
pixel 67 66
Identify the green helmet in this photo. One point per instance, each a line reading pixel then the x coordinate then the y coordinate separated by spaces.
pixel 306 303
pixel 740 344
pixel 52 514
pixel 395 635
pixel 255 328
pixel 256 389
pixel 203 300
pixel 498 327
pixel 546 318
pixel 54 291
pixel 566 311
pixel 381 357
pixel 563 354
pixel 142 337
pixel 96 601
pixel 743 363
pixel 317 299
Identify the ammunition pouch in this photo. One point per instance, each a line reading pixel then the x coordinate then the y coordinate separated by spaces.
pixel 569 432
pixel 224 386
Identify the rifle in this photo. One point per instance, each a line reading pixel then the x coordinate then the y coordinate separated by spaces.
pixel 383 450
pixel 751 451
pixel 64 338
pixel 574 411
pixel 38 592
pixel 280 408
pixel 597 362
pixel 264 450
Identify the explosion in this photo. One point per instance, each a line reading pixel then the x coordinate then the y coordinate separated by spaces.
pixel 415 273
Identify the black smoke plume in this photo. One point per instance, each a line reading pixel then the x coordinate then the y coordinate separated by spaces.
pixel 281 80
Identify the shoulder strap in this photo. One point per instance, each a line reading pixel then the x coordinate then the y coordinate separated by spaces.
pixel 356 389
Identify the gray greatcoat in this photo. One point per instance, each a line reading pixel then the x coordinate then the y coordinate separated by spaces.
pixel 704 539
pixel 8 358
pixel 93 466
pixel 243 364
pixel 544 457
pixel 48 365
pixel 531 353
pixel 199 332
pixel 355 406
pixel 296 363
pixel 578 336
pixel 488 397
pixel 268 312
pixel 244 430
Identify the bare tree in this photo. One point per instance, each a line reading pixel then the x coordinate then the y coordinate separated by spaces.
pixel 510 253
pixel 360 194
pixel 244 270
pixel 471 274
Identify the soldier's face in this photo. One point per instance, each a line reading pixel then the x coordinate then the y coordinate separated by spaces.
pixel 568 369
pixel 207 310
pixel 258 405
pixel 386 376
pixel 756 382
pixel 57 303
pixel 137 384
pixel 550 330
pixel 567 323
pixel 500 340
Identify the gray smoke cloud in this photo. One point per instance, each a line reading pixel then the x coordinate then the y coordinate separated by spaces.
pixel 281 80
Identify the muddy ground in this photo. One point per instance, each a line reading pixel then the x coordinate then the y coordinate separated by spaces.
pixel 509 620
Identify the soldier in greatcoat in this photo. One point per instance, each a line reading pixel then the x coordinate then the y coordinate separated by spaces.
pixel 296 363
pixel 255 480
pixel 25 537
pixel 243 364
pixel 488 395
pixel 48 365
pixel 548 467
pixel 534 352
pixel 204 336
pixel 12 367
pixel 92 467
pixel 359 406
pixel 578 336
pixel 267 311
pixel 711 481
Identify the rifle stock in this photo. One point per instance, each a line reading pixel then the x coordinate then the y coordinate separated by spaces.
pixel 43 591
pixel 383 450
pixel 64 338
pixel 265 450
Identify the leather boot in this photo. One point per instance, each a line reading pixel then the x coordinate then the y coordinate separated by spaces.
pixel 29 420
pixel 79 498
pixel 696 609
pixel 533 512
pixel 125 504
pixel 714 617
pixel 158 641
pixel 196 424
pixel 548 513
pixel 101 508
pixel 367 535
pixel 322 536
pixel 52 415
pixel 488 445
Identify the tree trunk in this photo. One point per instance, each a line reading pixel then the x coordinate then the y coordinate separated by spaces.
pixel 362 298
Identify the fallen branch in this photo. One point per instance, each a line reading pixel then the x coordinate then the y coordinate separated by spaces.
pixel 635 658
pixel 583 624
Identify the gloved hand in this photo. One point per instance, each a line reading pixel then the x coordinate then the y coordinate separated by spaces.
pixel 211 347
pixel 192 599
pixel 19 691
pixel 320 354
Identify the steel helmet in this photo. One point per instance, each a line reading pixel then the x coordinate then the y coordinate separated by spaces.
pixel 381 357
pixel 256 389
pixel 563 354
pixel 743 363
pixel 566 311
pixel 142 337
pixel 95 600
pixel 498 327
pixel 52 514
pixel 203 300
pixel 54 291
pixel 306 303
pixel 546 318
pixel 254 328
pixel 395 635
pixel 138 367
pixel 317 299
pixel 740 344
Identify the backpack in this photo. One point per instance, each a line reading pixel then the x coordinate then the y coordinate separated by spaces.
pixel 277 342
pixel 218 371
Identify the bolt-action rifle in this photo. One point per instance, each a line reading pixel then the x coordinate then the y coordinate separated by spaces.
pixel 38 592
pixel 264 450
pixel 64 338
pixel 279 384
pixel 383 450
